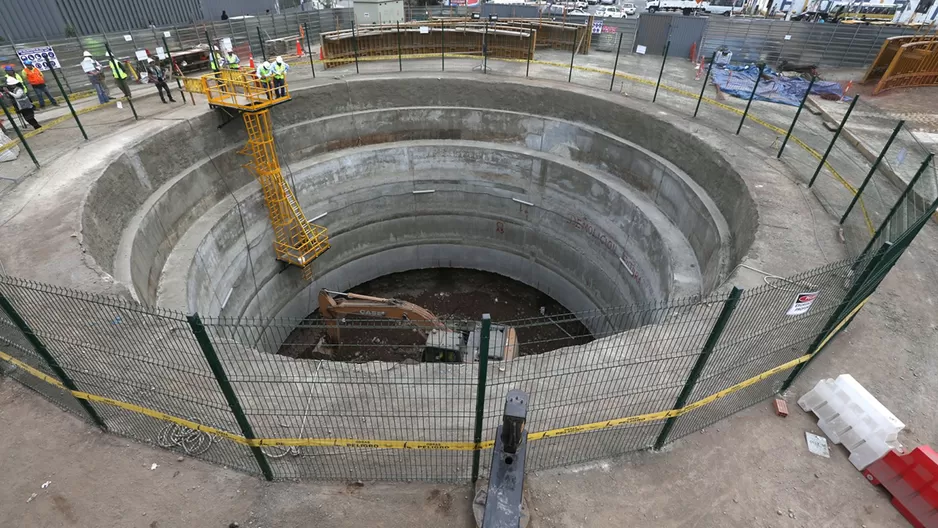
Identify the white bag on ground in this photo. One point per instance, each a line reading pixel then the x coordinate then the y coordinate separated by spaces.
pixel 9 154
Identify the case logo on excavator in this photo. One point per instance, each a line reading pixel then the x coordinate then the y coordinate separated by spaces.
pixel 372 313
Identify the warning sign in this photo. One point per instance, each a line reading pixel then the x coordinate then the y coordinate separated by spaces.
pixel 802 303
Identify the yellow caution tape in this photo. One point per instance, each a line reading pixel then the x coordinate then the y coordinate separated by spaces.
pixel 436 446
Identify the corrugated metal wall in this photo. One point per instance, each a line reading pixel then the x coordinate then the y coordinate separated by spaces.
pixel 211 9
pixel 30 19
pixel 23 20
pixel 834 45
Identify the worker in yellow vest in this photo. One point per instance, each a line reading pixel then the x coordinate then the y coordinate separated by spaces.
pixel 119 75
pixel 265 74
pixel 11 74
pixel 38 82
pixel 280 77
pixel 215 60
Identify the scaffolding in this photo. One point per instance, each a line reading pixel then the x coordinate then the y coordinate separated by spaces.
pixel 296 241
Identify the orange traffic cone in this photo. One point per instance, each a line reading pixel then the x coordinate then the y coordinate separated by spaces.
pixel 251 61
pixel 321 56
pixel 299 49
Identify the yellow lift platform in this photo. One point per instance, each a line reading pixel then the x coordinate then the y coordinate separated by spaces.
pixel 296 241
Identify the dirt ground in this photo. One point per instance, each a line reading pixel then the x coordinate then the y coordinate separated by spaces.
pixel 450 294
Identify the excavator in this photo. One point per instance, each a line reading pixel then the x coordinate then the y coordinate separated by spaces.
pixel 443 343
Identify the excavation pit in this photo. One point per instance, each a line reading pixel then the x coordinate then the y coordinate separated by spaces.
pixel 578 195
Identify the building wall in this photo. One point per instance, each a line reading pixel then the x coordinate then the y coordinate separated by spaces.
pixel 22 20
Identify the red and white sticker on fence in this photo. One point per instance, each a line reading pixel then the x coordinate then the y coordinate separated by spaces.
pixel 802 303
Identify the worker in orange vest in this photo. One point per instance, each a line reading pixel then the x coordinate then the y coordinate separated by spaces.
pixel 35 79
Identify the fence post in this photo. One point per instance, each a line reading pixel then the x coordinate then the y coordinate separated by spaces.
pixel 869 175
pixel 660 73
pixel 442 48
pixel 706 80
pixel 615 65
pixel 701 362
pixel 751 96
pixel 895 206
pixel 527 68
pixel 309 50
pixel 19 134
pixel 195 322
pixel 172 67
pixel 115 67
pixel 67 100
pixel 837 315
pixel 47 357
pixel 400 56
pixel 791 128
pixel 480 392
pixel 259 37
pixel 485 47
pixel 834 140
pixel 355 46
pixel 572 56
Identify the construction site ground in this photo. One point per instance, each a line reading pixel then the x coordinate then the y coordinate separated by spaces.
pixel 752 469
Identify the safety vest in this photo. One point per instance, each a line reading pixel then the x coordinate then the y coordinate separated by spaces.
pixel 264 74
pixel 233 61
pixel 34 76
pixel 280 70
pixel 216 62
pixel 116 69
pixel 18 79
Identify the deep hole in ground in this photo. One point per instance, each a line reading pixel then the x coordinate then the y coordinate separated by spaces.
pixel 449 293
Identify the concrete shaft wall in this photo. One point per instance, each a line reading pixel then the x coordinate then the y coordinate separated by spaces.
pixel 357 151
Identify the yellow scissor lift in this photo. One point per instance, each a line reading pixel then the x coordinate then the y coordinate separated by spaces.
pixel 296 241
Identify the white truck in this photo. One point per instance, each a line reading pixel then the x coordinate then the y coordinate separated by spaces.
pixel 686 7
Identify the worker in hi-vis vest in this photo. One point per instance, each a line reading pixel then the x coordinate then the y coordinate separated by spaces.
pixel 232 60
pixel 37 82
pixel 280 77
pixel 120 76
pixel 265 74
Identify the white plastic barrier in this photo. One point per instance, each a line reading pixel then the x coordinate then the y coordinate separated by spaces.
pixel 849 415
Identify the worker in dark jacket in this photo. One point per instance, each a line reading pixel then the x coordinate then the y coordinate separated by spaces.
pixel 158 74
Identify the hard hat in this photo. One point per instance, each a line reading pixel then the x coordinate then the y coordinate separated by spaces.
pixel 11 81
pixel 279 60
pixel 215 48
pixel 27 62
pixel 86 54
pixel 108 54
pixel 266 65
pixel 8 68
pixel 149 59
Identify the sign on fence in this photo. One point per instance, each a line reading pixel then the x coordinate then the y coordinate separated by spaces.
pixel 802 303
pixel 42 57
pixel 597 26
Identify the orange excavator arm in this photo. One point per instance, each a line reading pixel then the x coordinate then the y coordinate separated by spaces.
pixel 333 305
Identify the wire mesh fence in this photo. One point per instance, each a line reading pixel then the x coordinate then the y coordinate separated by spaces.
pixel 356 398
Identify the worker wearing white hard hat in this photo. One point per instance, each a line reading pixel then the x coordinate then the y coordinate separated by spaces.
pixel 117 71
pixel 95 73
pixel 23 105
pixel 280 77
pixel 265 74
pixel 158 74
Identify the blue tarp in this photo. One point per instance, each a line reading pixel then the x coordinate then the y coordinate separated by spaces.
pixel 739 80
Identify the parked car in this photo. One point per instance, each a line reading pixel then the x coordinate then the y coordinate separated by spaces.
pixel 592 2
pixel 581 4
pixel 577 12
pixel 629 9
pixel 609 12
pixel 607 2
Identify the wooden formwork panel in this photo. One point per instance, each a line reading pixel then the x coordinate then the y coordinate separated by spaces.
pixel 511 39
pixel 914 64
